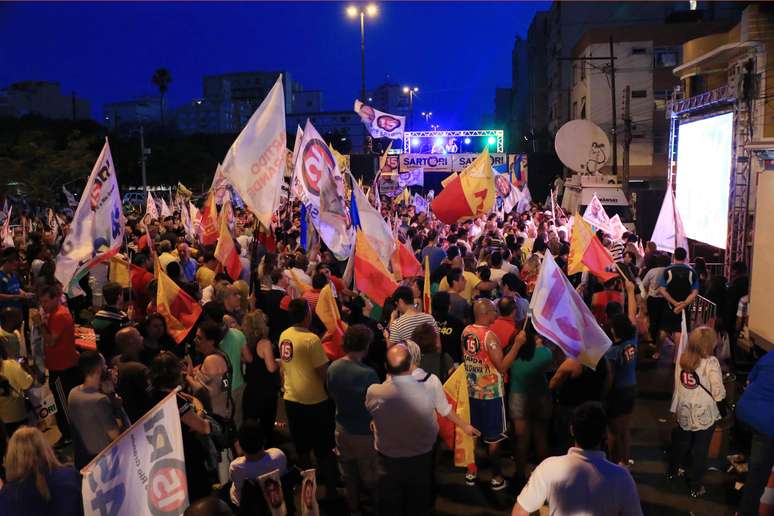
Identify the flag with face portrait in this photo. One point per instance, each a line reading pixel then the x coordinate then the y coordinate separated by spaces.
pixel 379 123
pixel 318 183
pixel 415 177
pixel 97 229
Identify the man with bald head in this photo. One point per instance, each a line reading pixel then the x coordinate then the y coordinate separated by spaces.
pixel 485 365
pixel 133 377
pixel 403 412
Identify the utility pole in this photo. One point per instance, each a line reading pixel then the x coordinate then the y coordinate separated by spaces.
pixel 627 120
pixel 614 130
pixel 611 58
pixel 143 158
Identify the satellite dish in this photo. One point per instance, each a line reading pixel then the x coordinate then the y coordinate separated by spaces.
pixel 582 146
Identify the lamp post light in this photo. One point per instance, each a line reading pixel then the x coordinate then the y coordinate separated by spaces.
pixel 371 11
pixel 427 115
pixel 411 91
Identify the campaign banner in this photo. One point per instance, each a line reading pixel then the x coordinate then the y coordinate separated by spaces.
pixel 462 161
pixel 379 123
pixel 518 165
pixel 427 162
pixel 142 473
pixel 414 177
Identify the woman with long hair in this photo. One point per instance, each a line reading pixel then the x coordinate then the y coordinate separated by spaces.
pixel 37 483
pixel 262 378
pixel 156 338
pixel 698 388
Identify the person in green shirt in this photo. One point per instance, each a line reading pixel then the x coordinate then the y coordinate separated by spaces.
pixel 530 400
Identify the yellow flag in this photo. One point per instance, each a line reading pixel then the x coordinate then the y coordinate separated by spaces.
pixel 580 238
pixel 448 179
pixel 118 271
pixel 383 158
pixel 456 389
pixel 478 184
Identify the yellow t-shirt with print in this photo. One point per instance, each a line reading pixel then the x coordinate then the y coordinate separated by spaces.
pixel 301 352
pixel 471 280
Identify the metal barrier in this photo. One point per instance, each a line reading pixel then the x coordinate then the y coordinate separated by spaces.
pixel 702 312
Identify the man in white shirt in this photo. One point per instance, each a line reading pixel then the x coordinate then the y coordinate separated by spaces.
pixel 583 482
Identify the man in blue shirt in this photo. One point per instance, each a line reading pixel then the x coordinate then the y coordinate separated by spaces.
pixel 11 293
pixel 432 250
pixel 679 285
pixel 755 409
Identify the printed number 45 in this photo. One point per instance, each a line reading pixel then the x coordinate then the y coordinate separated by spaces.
pixel 109 501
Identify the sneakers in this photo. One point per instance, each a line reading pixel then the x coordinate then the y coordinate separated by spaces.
pixel 470 478
pixel 498 485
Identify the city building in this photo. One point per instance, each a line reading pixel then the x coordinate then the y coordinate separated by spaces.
pixel 553 34
pixel 131 114
pixel 727 72
pixel 645 56
pixel 517 117
pixel 390 98
pixel 42 98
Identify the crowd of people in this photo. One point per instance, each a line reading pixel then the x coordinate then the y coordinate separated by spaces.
pixel 553 430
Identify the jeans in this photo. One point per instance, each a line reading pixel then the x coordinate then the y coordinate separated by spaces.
pixel 760 463
pixel 689 451
pixel 404 485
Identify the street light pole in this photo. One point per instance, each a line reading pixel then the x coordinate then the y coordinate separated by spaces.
pixel 411 91
pixel 362 56
pixel 143 157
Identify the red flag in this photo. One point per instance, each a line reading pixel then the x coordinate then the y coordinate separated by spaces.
pixel 404 263
pixel 371 277
pixel 226 252
pixel 209 225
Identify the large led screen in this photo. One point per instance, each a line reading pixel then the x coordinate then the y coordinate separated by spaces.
pixel 703 173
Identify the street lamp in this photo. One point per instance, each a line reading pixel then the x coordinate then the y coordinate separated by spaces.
pixel 428 115
pixel 411 91
pixel 371 11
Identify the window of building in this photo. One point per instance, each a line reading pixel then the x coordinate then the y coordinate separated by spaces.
pixel 666 57
pixel 583 70
pixel 574 74
pixel 639 94
pixel 583 108
pixel 638 51
pixel 575 110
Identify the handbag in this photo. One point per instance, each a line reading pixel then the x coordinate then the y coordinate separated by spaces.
pixel 722 405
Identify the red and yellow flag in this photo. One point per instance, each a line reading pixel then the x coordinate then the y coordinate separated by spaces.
pixel 371 277
pixel 427 305
pixel 328 312
pixel 179 310
pixel 225 251
pixel 470 194
pixel 456 390
pixel 587 253
pixel 209 224
pixel 404 263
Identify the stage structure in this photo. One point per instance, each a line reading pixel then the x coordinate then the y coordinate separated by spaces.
pixel 453 142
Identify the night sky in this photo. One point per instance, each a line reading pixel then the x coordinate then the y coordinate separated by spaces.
pixel 456 53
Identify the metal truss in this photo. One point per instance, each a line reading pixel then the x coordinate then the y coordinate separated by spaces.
pixel 497 133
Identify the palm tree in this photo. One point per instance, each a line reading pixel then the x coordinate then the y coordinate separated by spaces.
pixel 161 78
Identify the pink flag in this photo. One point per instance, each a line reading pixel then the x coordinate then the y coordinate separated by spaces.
pixel 559 314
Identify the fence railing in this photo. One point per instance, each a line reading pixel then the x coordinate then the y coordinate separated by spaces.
pixel 702 312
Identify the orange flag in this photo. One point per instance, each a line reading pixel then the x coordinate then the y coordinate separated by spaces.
pixel 371 277
pixel 404 263
pixel 328 312
pixel 179 310
pixel 587 253
pixel 427 306
pixel 226 252
pixel 209 225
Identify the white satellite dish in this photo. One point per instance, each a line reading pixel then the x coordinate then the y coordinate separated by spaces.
pixel 582 146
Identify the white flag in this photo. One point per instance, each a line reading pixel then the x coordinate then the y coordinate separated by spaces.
pixel 185 217
pixel 376 230
pixel 559 314
pixel 255 163
pixel 318 184
pixel 150 207
pixel 97 230
pixel 165 211
pixel 669 232
pixel 379 123
pixel 196 217
pixel 525 200
pixel 412 178
pixel 7 236
pixel 596 215
pixel 142 473
pixel 219 185
pixel 70 198
pixel 421 205
pixel 53 222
